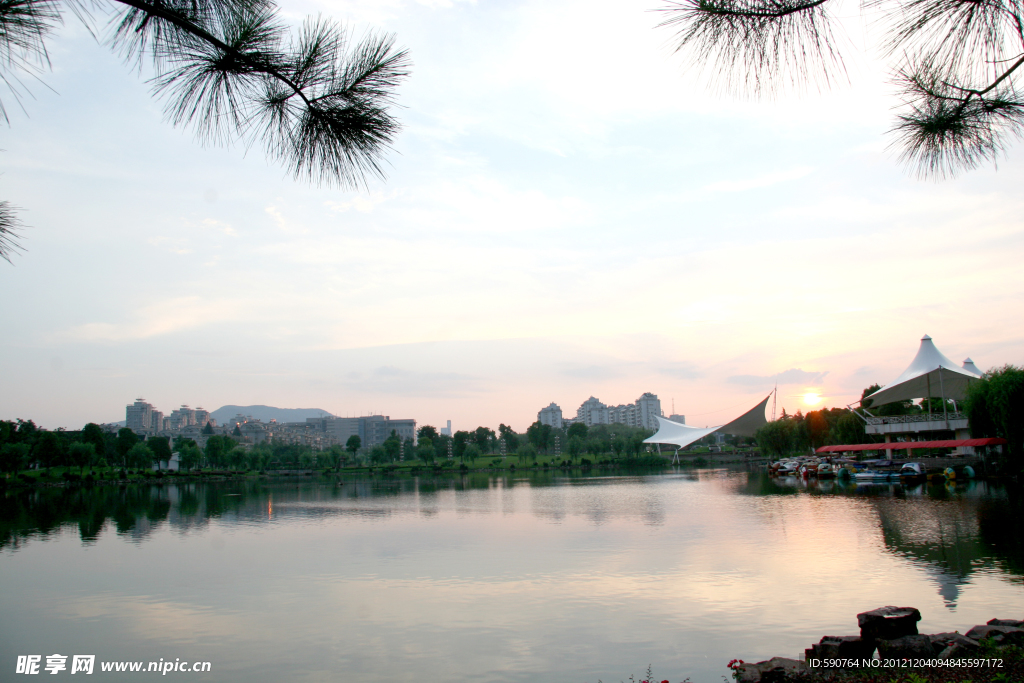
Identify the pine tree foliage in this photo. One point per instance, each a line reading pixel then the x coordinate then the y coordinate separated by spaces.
pixel 317 100
pixel 958 65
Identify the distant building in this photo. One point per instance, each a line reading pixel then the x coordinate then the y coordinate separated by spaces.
pixel 447 431
pixel 202 417
pixel 552 415
pixel 139 416
pixel 681 419
pixel 648 407
pixel 593 412
pixel 642 413
pixel 182 417
pixel 372 430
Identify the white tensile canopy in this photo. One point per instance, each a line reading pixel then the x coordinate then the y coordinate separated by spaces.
pixel 678 435
pixel 969 366
pixel 681 436
pixel 930 375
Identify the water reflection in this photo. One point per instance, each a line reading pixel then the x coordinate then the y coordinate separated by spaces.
pixel 509 579
pixel 953 530
pixel 136 511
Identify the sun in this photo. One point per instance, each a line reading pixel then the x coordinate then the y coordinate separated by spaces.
pixel 812 398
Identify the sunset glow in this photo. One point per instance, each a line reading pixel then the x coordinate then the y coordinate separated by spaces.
pixel 811 398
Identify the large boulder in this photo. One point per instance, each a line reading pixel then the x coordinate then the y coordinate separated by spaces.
pixel 953 646
pixel 774 670
pixel 906 647
pixel 1006 622
pixel 888 623
pixel 1001 635
pixel 842 647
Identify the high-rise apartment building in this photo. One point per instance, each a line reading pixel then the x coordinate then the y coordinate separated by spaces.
pixel 182 417
pixel 593 412
pixel 139 416
pixel 552 415
pixel 201 417
pixel 641 413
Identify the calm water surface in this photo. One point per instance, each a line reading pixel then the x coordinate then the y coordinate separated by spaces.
pixel 492 578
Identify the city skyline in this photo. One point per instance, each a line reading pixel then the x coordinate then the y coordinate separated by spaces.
pixel 537 238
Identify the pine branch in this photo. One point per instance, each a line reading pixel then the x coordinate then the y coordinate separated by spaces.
pixel 9 226
pixel 315 105
pixel 951 127
pixel 757 46
pixel 24 26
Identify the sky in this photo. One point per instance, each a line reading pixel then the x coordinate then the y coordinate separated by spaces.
pixel 569 211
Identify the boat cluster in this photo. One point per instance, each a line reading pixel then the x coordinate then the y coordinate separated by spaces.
pixel 863 471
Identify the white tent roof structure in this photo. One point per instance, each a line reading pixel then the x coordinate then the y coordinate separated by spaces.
pixel 678 435
pixel 930 375
pixel 969 366
pixel 681 435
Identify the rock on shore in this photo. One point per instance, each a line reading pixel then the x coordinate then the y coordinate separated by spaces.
pixel 892 633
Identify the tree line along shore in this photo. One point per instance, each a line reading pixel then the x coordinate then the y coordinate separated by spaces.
pixel 29 454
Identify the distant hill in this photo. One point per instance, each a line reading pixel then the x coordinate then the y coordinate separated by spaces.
pixel 266 413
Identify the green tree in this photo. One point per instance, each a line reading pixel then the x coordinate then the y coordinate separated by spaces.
pixel 775 439
pixel 216 451
pixel 441 446
pixel 49 450
pixel 317 102
pixel 208 429
pixel 959 71
pixel 338 456
pixel 995 408
pixel 425 449
pixel 392 446
pixel 353 444
pixel 81 454
pixel 540 435
pixel 92 433
pixel 527 451
pixel 125 440
pixel 161 447
pixel 471 452
pixel 189 456
pixel 138 456
pixel 577 429
pixel 426 432
pixel 484 439
pixel 575 446
pixel 378 454
pixel 849 429
pixel 459 442
pixel 510 437
pixel 13 457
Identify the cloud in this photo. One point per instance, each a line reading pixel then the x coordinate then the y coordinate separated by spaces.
pixel 286 225
pixel 759 182
pixel 590 372
pixel 681 371
pixel 389 379
pixel 165 317
pixel 361 203
pixel 791 376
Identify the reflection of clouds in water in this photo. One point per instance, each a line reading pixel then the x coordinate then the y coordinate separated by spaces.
pixel 445 578
pixel 164 620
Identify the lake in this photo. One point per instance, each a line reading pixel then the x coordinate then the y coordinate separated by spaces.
pixel 492 578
